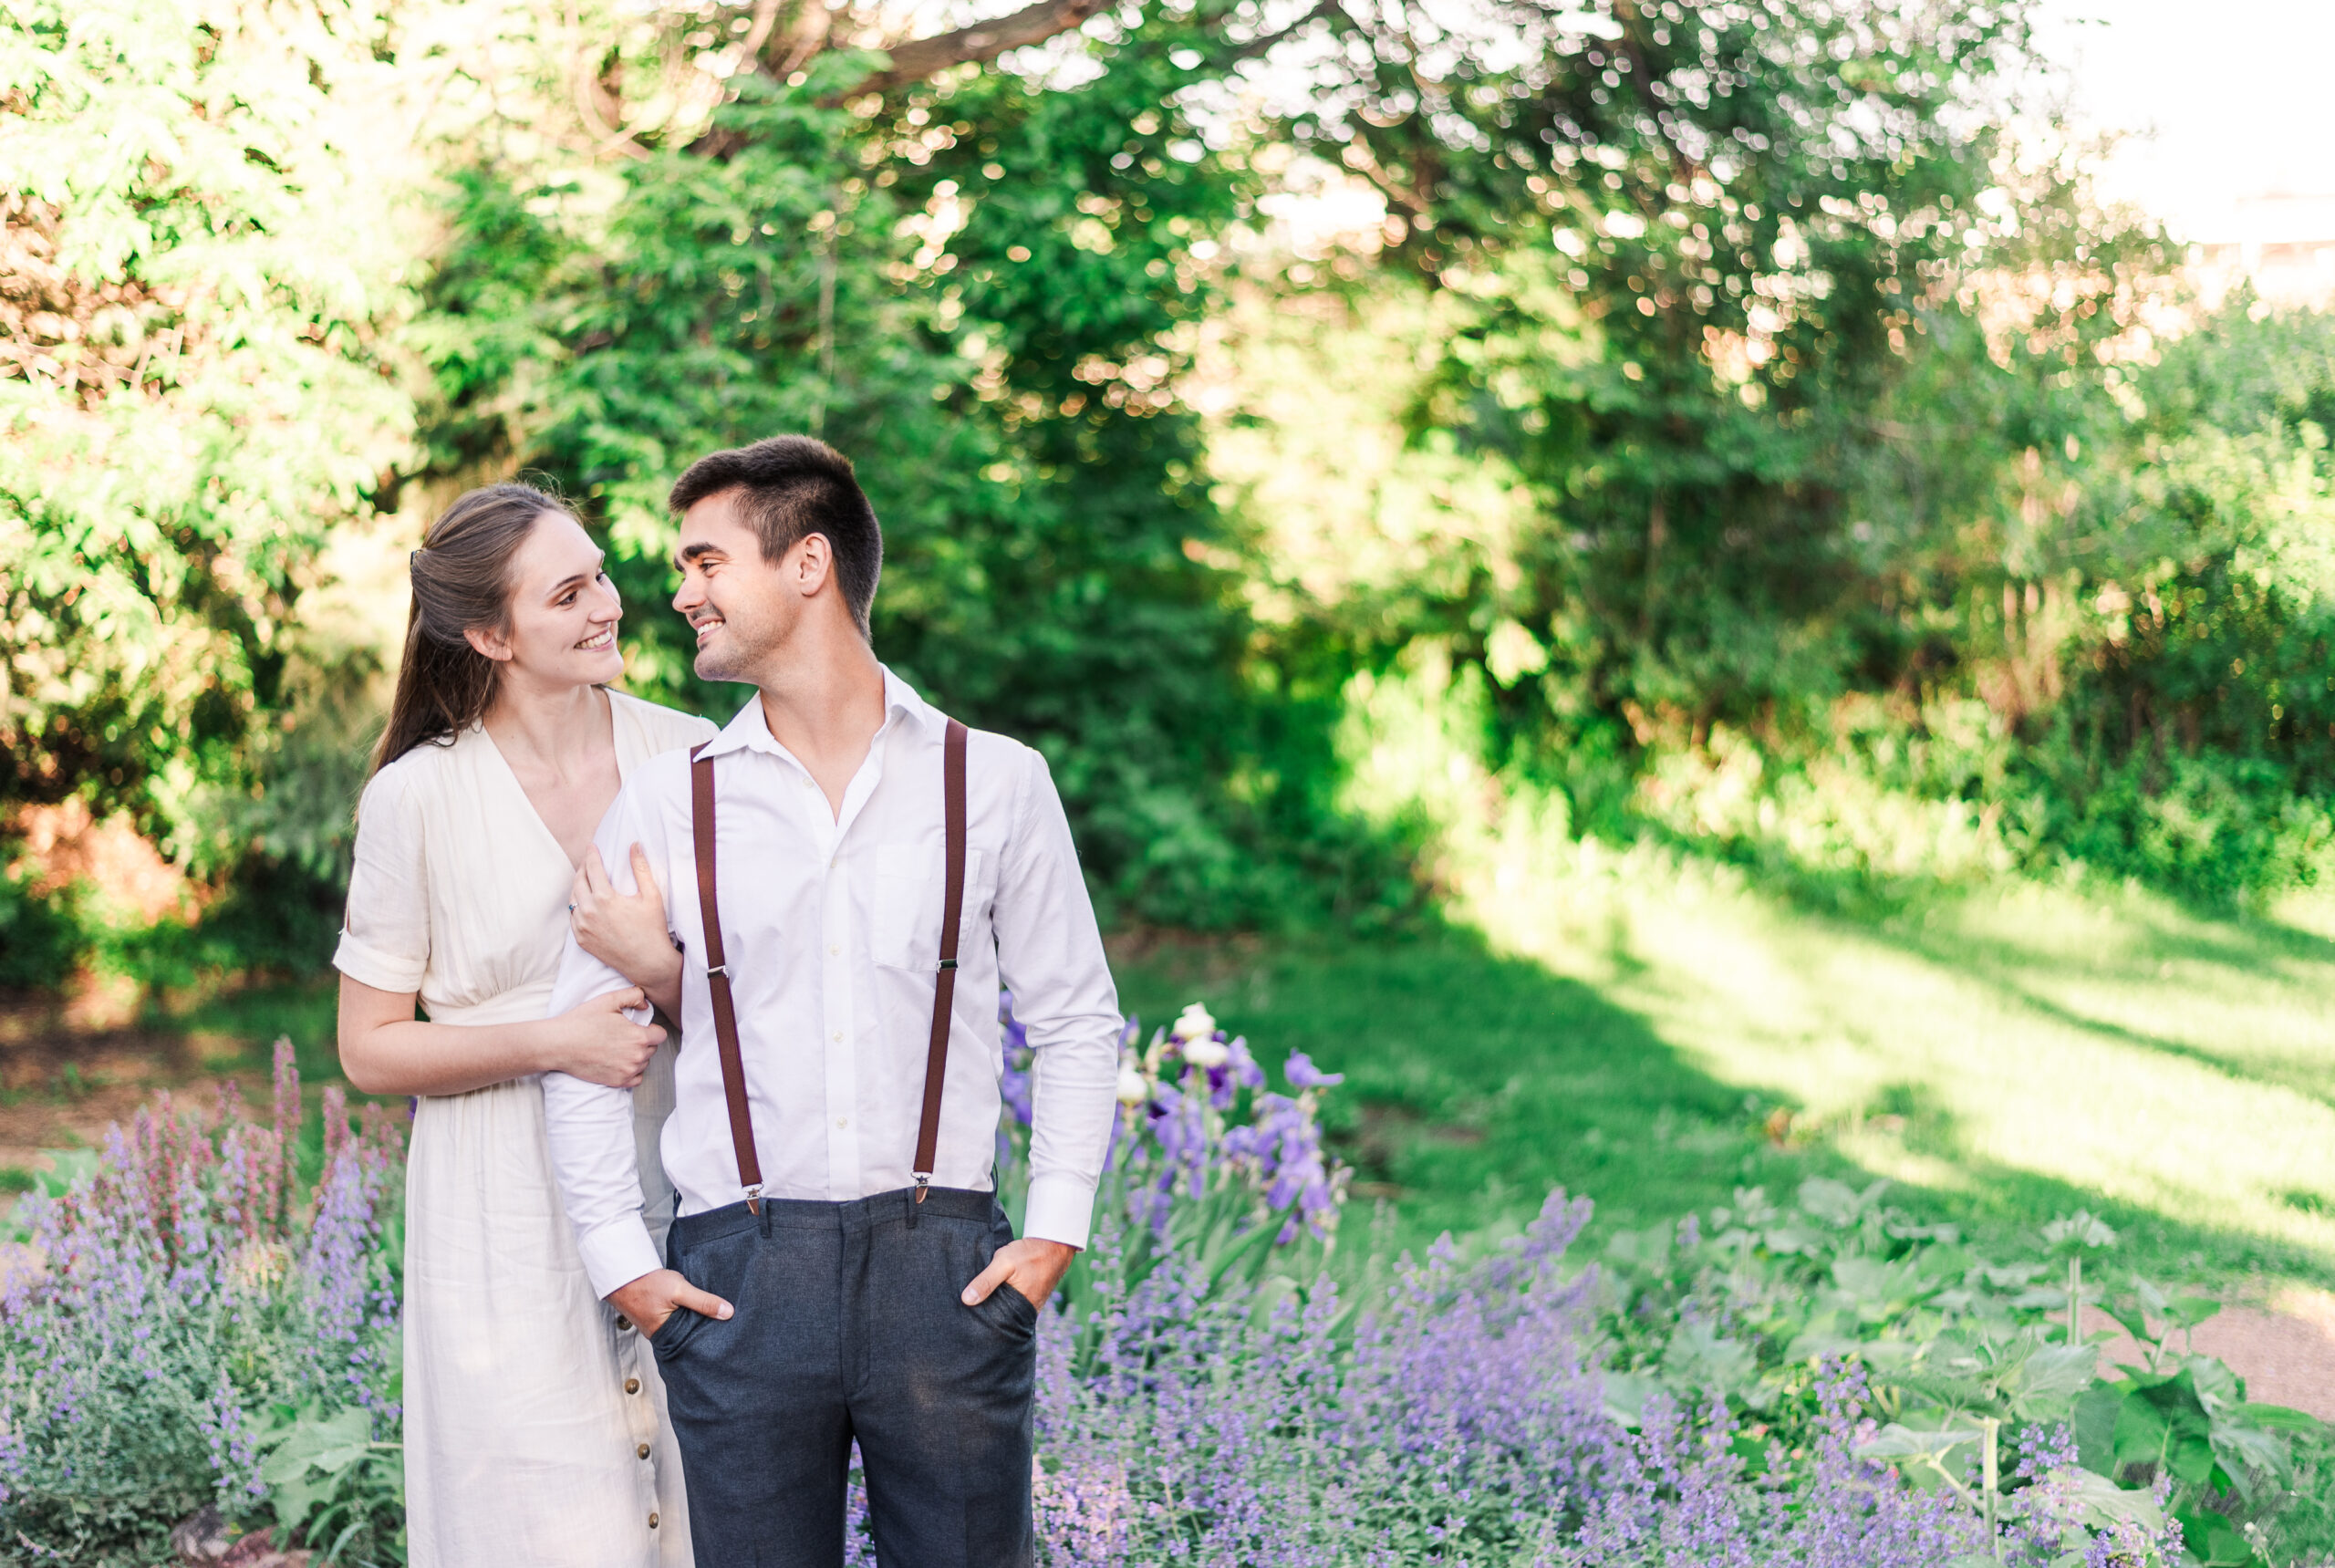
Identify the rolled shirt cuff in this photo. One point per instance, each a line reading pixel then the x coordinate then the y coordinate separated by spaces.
pixel 1062 1209
pixel 617 1253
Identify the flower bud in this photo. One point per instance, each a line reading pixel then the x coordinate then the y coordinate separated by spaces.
pixel 1195 1024
pixel 1134 1087
pixel 1207 1051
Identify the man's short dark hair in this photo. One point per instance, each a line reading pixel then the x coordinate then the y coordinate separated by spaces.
pixel 790 487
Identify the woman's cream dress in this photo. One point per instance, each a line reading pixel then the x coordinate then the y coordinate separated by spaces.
pixel 535 1423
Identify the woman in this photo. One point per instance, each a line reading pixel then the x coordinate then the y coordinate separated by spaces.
pixel 535 1424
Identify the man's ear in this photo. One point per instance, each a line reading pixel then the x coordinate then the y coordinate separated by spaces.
pixel 811 565
pixel 489 642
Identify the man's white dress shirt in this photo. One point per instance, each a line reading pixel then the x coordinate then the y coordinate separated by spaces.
pixel 831 924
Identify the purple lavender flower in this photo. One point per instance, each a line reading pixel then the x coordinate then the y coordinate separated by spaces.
pixel 188 1288
pixel 1303 1074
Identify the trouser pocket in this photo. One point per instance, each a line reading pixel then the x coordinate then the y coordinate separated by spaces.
pixel 718 1268
pixel 674 1332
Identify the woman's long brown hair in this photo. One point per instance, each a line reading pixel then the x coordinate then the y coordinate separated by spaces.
pixel 462 582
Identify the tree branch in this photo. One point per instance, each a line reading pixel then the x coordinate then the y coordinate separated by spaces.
pixel 983 41
pixel 1260 45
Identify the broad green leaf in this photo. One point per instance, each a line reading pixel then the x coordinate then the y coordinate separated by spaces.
pixel 2094 1426
pixel 1835 1202
pixel 1697 1358
pixel 2105 1504
pixel 1625 1396
pixel 2188 1312
pixel 2279 1419
pixel 2212 1541
pixel 1894 1441
pixel 2050 1378
pixel 2078 1230
pixel 2141 1433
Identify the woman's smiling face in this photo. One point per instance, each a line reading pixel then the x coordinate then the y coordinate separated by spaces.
pixel 563 610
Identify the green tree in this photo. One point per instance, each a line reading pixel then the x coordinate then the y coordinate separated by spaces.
pixel 194 387
pixel 984 290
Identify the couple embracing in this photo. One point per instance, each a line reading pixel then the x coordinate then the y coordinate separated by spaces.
pixel 700 1189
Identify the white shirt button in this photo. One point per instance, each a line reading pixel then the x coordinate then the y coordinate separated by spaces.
pixel 843 1121
pixel 835 951
pixel 838 1036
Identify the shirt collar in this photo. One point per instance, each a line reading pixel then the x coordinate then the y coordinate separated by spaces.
pixel 750 731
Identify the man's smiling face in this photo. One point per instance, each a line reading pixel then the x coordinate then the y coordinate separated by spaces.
pixel 733 599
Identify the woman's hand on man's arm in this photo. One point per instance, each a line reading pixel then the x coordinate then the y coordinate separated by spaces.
pixel 627 932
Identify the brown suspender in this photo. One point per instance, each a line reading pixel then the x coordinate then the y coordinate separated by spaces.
pixel 944 990
pixel 717 980
pixel 944 980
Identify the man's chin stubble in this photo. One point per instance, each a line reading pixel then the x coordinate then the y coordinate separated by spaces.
pixel 718 663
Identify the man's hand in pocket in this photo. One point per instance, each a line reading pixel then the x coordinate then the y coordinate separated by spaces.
pixel 1030 1266
pixel 649 1299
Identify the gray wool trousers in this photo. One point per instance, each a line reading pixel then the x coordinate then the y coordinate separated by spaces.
pixel 849 1324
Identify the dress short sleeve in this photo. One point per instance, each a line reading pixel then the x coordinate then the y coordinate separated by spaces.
pixel 385 937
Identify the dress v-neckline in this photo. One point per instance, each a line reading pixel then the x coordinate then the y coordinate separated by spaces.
pixel 510 776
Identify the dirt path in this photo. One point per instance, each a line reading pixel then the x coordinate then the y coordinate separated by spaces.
pixel 61 1087
pixel 2284 1348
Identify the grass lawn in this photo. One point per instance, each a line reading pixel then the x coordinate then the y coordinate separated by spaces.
pixel 1656 1037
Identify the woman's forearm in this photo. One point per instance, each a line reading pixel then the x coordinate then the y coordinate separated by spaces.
pixel 410 1057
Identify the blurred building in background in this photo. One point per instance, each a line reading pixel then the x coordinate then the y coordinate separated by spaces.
pixel 2282 242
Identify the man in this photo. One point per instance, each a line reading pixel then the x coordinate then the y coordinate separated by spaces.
pixel 840 1268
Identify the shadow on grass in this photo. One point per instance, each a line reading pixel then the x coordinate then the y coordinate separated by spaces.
pixel 1475 1083
pixel 2210 930
pixel 2264 950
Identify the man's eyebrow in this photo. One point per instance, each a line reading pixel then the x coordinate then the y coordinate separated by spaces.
pixel 688 553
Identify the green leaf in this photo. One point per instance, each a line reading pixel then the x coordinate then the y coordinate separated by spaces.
pixel 2094 1426
pixel 2213 1541
pixel 67 1166
pixel 2188 1312
pixel 1697 1359
pixel 2279 1419
pixel 1924 1458
pixel 2078 1230
pixel 2049 1381
pixel 1834 1203
pixel 2142 1432
pixel 1625 1396
pixel 2106 1504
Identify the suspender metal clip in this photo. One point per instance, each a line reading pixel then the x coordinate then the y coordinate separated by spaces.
pixel 754 1199
pixel 720 969
pixel 947 963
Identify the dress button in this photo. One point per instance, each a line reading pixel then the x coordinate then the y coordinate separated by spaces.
pixel 624 1322
pixel 652 1522
pixel 632 1384
pixel 642 1450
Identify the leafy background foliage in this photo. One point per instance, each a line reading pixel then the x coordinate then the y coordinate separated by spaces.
pixel 1742 427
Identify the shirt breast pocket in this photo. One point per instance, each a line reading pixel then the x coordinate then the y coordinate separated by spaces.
pixel 909 888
